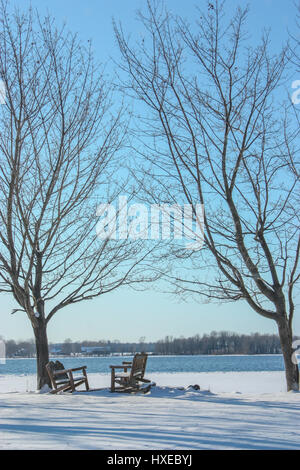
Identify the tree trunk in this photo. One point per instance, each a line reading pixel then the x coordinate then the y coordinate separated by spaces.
pixel 286 340
pixel 42 354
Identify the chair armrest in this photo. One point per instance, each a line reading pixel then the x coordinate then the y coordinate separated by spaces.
pixel 127 362
pixel 78 368
pixel 60 372
pixel 124 366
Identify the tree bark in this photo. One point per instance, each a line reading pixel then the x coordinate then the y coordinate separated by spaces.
pixel 42 354
pixel 286 340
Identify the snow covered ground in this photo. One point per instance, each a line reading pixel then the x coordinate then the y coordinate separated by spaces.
pixel 232 410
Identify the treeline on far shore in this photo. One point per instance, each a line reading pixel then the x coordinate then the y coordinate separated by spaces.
pixel 214 343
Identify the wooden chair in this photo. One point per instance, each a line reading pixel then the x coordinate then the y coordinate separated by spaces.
pixel 63 380
pixel 134 380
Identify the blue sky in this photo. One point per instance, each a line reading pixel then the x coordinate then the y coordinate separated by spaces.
pixel 126 314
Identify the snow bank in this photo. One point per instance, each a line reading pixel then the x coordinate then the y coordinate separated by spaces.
pixel 230 411
pixel 244 382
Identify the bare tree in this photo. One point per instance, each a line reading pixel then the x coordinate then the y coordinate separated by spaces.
pixel 61 134
pixel 216 132
pixel 295 39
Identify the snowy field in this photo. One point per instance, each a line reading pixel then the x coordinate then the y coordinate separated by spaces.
pixel 232 410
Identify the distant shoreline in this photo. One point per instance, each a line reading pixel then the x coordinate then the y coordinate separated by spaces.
pixel 150 355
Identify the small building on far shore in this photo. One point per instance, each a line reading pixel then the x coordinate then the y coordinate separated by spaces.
pixel 95 350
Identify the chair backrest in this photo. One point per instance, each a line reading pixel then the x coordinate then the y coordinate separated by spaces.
pixel 139 365
pixel 53 367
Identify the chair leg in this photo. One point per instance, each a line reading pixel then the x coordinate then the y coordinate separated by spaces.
pixel 72 382
pixel 112 385
pixel 86 380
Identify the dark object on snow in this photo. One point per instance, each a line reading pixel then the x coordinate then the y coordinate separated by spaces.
pixel 63 380
pixel 195 387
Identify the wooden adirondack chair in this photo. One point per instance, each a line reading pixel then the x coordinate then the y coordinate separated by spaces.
pixel 132 381
pixel 63 380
